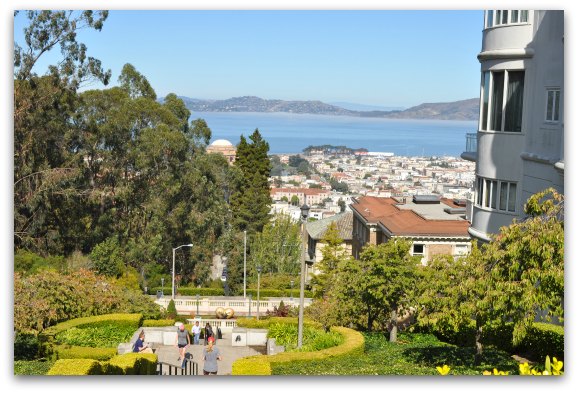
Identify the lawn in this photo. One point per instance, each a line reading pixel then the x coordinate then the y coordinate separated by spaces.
pixel 413 354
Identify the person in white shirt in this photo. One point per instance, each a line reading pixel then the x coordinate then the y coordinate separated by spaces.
pixel 196 333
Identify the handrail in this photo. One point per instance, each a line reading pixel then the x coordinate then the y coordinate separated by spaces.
pixel 190 368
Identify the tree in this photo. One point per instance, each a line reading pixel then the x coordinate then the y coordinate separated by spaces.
pixel 294 200
pixel 341 204
pixel 333 251
pixel 252 200
pixel 284 199
pixel 514 278
pixel 107 258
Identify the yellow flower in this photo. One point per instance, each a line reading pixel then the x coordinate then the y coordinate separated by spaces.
pixel 525 369
pixel 557 366
pixel 487 373
pixel 443 370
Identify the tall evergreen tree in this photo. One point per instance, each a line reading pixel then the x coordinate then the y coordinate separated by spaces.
pixel 251 203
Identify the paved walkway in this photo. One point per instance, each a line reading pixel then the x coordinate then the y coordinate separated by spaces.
pixel 170 354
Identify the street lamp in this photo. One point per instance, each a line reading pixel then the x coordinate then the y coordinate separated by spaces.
pixel 304 215
pixel 245 265
pixel 258 286
pixel 291 293
pixel 163 285
pixel 175 249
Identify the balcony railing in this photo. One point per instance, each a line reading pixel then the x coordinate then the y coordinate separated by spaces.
pixel 472 143
pixel 471 152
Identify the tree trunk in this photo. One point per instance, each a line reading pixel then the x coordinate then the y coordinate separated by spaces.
pixel 369 319
pixel 479 346
pixel 393 331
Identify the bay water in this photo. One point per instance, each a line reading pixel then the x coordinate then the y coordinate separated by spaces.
pixel 291 133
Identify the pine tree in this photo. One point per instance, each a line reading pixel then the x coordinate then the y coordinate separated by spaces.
pixel 251 203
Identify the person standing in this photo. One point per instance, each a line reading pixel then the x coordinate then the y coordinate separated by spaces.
pixel 208 333
pixel 196 333
pixel 182 341
pixel 210 355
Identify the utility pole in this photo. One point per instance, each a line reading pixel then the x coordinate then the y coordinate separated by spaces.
pixel 245 265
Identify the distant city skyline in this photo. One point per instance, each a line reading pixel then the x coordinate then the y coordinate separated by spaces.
pixel 388 58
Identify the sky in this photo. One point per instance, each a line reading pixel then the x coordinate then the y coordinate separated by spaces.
pixel 389 58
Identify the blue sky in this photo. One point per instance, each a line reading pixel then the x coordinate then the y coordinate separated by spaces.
pixel 386 58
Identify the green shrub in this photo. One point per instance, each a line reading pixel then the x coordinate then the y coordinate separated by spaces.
pixel 76 352
pixel 132 320
pixel 158 322
pixel 171 309
pixel 33 367
pixel 352 345
pixel 76 367
pixel 100 336
pixel 126 364
pixel 544 339
pixel 193 291
pixel 26 346
pixel 135 363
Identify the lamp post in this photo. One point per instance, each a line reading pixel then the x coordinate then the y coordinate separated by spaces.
pixel 291 293
pixel 258 286
pixel 304 215
pixel 175 249
pixel 163 285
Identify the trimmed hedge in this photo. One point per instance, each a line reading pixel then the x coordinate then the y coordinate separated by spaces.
pixel 126 364
pixel 76 367
pixel 75 352
pixel 158 322
pixel 132 320
pixel 353 345
pixel 264 323
pixel 544 339
pixel 135 363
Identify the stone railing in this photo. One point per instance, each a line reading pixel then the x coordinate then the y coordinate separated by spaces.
pixel 191 305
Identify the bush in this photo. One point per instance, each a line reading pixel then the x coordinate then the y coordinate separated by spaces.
pixel 126 364
pixel 353 345
pixel 171 310
pixel 192 291
pixel 100 336
pixel 158 322
pixel 76 367
pixel 34 367
pixel 135 363
pixel 128 320
pixel 26 346
pixel 76 352
pixel 544 339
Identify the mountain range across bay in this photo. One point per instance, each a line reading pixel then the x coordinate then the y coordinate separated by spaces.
pixel 456 110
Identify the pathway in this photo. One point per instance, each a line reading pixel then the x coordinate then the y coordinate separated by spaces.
pixel 170 354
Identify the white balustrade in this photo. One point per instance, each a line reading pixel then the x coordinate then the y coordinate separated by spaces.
pixel 188 305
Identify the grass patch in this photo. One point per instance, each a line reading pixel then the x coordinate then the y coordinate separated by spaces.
pixel 32 367
pixel 413 354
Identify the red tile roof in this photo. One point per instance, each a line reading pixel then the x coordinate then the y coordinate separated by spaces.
pixel 401 222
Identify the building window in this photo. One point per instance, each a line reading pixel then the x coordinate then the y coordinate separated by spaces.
pixel 553 105
pixel 505 17
pixel 417 249
pixel 502 99
pixel 496 194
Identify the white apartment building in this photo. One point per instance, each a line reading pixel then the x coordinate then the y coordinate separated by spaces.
pixel 519 146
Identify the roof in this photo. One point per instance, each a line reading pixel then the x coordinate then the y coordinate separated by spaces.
pixel 221 142
pixel 344 222
pixel 410 219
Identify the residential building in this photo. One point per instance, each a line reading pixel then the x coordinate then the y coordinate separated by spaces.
pixel 434 225
pixel 316 232
pixel 519 145
pixel 309 196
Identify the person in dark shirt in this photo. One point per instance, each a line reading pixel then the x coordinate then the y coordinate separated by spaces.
pixel 140 346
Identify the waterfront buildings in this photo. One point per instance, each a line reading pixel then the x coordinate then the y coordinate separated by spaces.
pixel 520 137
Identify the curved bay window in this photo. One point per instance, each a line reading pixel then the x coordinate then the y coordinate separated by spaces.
pixel 502 99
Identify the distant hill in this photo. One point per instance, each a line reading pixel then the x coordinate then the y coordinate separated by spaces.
pixel 365 108
pixel 458 110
